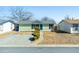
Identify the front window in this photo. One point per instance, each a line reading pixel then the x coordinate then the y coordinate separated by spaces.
pixel 75 26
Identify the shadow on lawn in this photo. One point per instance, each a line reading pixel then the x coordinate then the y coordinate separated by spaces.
pixel 62 32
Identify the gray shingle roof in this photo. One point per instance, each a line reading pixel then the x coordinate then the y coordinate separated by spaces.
pixel 25 22
pixel 29 22
pixel 37 22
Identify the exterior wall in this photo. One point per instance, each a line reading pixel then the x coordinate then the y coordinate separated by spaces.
pixel 64 27
pixel 25 28
pixel 29 28
pixel 6 27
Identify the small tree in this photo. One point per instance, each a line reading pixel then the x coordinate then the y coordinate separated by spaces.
pixel 37 33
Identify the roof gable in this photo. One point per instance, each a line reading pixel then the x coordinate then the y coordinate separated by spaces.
pixel 5 21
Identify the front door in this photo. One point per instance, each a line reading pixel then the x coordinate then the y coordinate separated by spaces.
pixel 40 26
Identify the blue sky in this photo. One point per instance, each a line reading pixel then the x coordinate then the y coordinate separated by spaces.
pixel 55 12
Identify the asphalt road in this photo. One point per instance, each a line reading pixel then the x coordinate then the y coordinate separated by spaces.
pixel 39 50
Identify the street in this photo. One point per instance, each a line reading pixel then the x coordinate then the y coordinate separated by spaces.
pixel 39 50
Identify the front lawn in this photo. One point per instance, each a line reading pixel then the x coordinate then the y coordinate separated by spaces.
pixel 60 38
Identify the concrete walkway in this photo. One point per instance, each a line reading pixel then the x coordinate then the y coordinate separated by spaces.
pixel 40 39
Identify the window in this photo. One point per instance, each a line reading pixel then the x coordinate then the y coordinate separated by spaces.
pixel 75 26
pixel 50 26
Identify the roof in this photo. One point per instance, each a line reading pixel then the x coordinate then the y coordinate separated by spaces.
pixel 4 21
pixel 37 22
pixel 25 22
pixel 48 21
pixel 71 21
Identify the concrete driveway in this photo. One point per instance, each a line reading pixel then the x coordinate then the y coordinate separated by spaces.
pixel 15 40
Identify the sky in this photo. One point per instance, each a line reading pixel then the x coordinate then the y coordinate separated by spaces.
pixel 55 12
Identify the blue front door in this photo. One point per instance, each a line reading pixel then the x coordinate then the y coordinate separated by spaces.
pixel 40 26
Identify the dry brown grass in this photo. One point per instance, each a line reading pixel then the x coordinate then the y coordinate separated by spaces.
pixel 14 33
pixel 50 37
pixel 3 36
pixel 20 33
pixel 60 38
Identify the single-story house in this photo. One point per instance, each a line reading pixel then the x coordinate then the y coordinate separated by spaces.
pixel 6 26
pixel 43 25
pixel 70 26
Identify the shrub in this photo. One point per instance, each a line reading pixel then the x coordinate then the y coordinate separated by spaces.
pixel 32 39
pixel 36 33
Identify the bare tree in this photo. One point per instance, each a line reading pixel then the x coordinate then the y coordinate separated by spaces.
pixel 67 17
pixel 48 19
pixel 45 18
pixel 19 14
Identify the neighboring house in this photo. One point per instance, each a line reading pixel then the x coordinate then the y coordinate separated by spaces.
pixel 43 25
pixel 6 26
pixel 70 25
